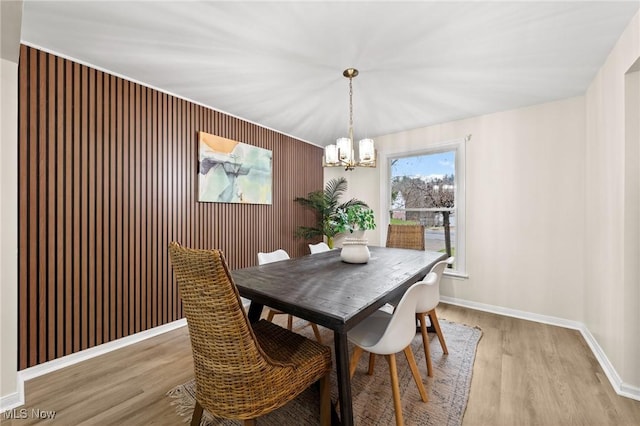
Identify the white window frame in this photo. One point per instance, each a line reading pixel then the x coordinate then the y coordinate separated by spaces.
pixel 459 146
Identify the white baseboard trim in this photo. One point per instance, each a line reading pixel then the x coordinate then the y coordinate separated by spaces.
pixel 544 319
pixel 17 399
pixel 11 401
pixel 621 388
pixel 629 391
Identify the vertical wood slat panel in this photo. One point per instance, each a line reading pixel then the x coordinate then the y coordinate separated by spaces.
pixel 41 203
pixel 143 176
pixel 123 231
pixel 75 209
pixel 130 213
pixel 108 177
pixel 111 211
pixel 33 205
pixel 136 225
pixel 51 207
pixel 67 197
pixel 99 231
pixel 91 199
pixel 163 122
pixel 60 217
pixel 85 284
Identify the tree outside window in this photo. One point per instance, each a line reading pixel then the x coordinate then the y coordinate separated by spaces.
pixel 423 191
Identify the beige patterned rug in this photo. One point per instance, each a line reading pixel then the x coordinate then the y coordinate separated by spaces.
pixel 448 389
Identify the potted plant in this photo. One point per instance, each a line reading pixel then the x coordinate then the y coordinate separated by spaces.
pixel 325 205
pixel 354 218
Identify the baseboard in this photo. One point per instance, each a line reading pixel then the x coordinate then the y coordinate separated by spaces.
pixel 11 401
pixel 514 313
pixel 629 391
pixel 17 399
pixel 621 388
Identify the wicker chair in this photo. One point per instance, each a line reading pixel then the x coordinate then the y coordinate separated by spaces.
pixel 242 370
pixel 406 236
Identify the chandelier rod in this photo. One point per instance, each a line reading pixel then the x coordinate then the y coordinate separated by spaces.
pixel 351 109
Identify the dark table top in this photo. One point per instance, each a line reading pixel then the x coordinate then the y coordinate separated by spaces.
pixel 338 295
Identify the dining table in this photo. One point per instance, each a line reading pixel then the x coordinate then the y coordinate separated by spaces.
pixel 323 289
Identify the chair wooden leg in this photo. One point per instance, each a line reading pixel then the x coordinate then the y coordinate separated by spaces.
pixel 271 314
pixel 434 321
pixel 289 322
pixel 325 401
pixel 395 388
pixel 355 357
pixel 372 363
pixel 425 342
pixel 316 332
pixel 197 415
pixel 416 374
pixel 250 422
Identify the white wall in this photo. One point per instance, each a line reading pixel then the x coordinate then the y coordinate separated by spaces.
pixel 553 208
pixel 8 230
pixel 525 192
pixel 356 180
pixel 631 356
pixel 612 298
pixel 10 16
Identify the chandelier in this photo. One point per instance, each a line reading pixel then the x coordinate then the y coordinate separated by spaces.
pixel 342 153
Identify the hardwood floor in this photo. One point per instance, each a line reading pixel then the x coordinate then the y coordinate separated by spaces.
pixel 525 373
pixel 528 373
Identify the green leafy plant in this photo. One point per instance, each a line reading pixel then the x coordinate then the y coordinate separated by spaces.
pixel 354 218
pixel 325 205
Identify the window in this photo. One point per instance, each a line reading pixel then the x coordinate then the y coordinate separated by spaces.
pixel 427 188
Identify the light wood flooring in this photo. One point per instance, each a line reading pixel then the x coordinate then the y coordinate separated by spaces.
pixel 525 373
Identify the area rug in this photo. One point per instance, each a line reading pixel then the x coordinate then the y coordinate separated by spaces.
pixel 448 389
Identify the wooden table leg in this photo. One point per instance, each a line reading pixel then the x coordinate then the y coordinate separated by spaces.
pixel 255 310
pixel 344 381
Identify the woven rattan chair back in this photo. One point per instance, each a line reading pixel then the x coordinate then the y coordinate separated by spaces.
pixel 242 370
pixel 406 236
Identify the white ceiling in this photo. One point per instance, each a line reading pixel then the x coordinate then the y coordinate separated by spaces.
pixel 280 64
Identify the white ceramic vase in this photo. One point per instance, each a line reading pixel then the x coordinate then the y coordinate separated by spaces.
pixel 355 250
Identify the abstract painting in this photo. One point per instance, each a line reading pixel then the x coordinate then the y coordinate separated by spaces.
pixel 233 172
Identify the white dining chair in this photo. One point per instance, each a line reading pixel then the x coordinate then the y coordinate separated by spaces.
pixel 388 334
pixel 272 256
pixel 318 248
pixel 427 307
pixel 276 256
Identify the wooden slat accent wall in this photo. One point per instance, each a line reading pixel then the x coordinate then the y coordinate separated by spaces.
pixel 107 178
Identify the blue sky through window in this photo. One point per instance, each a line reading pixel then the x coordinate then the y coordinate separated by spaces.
pixel 428 165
